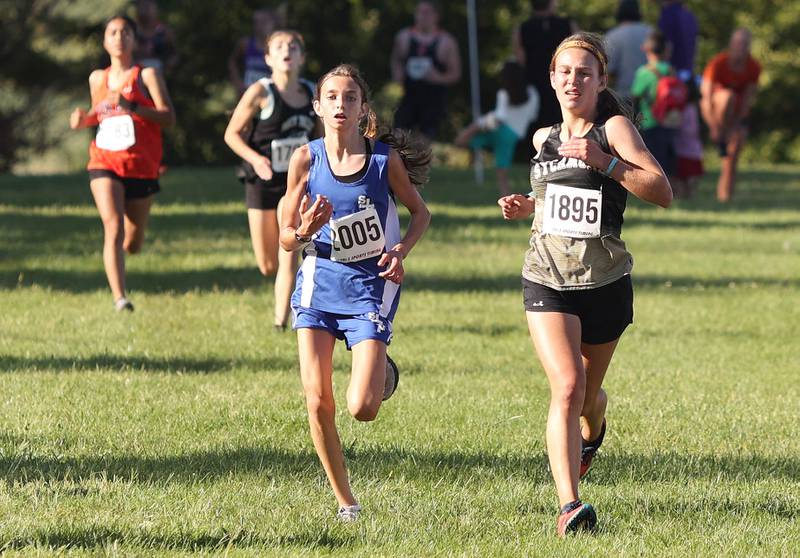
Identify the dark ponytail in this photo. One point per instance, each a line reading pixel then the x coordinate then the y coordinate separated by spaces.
pixel 415 151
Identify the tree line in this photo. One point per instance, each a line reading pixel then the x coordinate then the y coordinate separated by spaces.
pixel 50 47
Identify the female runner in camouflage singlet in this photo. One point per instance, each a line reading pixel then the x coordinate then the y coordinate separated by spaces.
pixel 576 276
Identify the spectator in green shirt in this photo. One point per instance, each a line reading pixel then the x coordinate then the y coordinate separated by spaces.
pixel 659 139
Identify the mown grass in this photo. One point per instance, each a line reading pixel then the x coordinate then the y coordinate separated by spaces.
pixel 181 429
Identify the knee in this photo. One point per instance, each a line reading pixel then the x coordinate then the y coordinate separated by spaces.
pixel 113 230
pixel 363 410
pixel 570 393
pixel 267 267
pixel 320 409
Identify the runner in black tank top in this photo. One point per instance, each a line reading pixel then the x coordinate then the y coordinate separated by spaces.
pixel 275 132
pixel 539 36
pixel 274 117
pixel 576 285
pixel 425 60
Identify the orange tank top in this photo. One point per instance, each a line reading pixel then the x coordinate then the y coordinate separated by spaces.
pixel 125 143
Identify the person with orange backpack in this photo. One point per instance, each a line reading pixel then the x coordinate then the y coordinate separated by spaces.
pixel 660 96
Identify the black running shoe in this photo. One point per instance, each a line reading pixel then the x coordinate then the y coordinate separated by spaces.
pixel 392 378
pixel 590 449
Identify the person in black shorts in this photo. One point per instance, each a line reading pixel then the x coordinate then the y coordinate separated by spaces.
pixel 576 277
pixel 425 60
pixel 274 117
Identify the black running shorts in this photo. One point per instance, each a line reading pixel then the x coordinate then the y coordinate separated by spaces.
pixel 134 187
pixel 604 312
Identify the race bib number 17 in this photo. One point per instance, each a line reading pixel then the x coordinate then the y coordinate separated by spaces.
pixel 282 150
pixel 357 236
pixel 572 212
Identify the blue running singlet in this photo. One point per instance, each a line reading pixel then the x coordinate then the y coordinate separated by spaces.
pixel 340 268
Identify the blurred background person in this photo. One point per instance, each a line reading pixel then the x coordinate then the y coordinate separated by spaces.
pixel 624 43
pixel 659 139
pixel 533 43
pixel 246 64
pixel 688 146
pixel 679 26
pixel 155 40
pixel 730 82
pixel 516 107
pixel 425 59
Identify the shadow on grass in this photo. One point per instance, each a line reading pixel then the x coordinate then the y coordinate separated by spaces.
pixel 98 536
pixel 214 279
pixel 455 466
pixel 119 363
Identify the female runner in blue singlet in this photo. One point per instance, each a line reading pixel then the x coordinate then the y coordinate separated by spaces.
pixel 576 277
pixel 340 208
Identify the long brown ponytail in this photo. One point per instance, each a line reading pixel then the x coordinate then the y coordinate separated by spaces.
pixel 413 150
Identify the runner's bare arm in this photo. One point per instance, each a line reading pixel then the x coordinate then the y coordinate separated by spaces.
pixel 163 113
pixel 637 170
pixel 299 216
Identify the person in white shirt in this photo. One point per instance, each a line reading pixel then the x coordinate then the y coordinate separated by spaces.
pixel 624 43
pixel 516 107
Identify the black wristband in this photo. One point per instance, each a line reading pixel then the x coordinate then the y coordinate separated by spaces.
pixel 301 239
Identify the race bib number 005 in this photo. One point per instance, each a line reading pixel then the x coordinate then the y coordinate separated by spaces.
pixel 116 133
pixel 572 212
pixel 282 150
pixel 357 236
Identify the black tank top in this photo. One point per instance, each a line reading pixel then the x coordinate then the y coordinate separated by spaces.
pixel 278 121
pixel 420 56
pixel 567 262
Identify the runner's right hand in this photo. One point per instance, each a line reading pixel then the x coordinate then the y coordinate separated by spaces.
pixel 263 168
pixel 313 215
pixel 516 206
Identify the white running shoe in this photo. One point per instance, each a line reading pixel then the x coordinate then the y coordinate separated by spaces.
pixel 348 514
pixel 123 304
pixel 392 378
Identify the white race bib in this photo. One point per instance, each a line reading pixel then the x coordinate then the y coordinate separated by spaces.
pixel 116 133
pixel 572 212
pixel 282 150
pixel 357 236
pixel 418 66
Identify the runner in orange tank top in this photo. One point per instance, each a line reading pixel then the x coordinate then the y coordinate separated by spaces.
pixel 130 105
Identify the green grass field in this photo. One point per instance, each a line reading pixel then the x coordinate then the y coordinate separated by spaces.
pixel 181 429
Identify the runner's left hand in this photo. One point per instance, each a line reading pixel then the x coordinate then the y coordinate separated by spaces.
pixel 393 259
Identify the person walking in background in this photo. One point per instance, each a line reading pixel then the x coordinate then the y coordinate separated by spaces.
pixel 730 83
pixel 246 64
pixel 659 137
pixel 679 26
pixel 130 105
pixel 155 41
pixel 425 59
pixel 340 209
pixel 533 43
pixel 624 43
pixel 576 280
pixel 274 117
pixel 516 107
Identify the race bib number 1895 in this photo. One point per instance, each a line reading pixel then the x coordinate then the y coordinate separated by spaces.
pixel 572 212
pixel 357 236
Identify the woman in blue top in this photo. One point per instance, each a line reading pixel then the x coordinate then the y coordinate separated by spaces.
pixel 340 208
